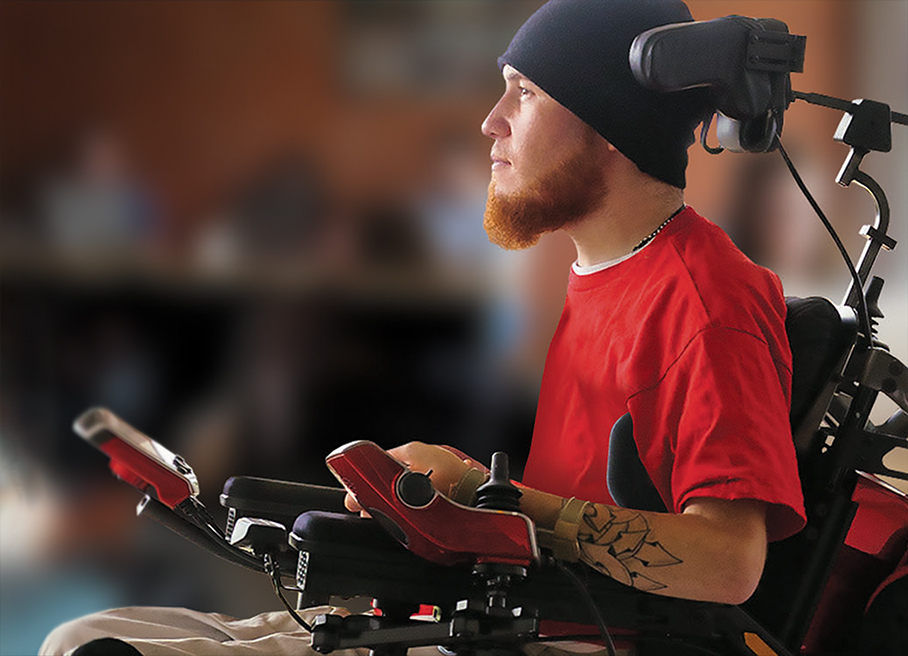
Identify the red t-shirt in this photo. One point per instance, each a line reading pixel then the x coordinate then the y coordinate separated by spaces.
pixel 687 335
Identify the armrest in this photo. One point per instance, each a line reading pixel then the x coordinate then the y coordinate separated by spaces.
pixel 350 556
pixel 279 501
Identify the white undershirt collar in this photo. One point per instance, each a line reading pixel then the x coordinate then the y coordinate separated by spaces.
pixel 602 266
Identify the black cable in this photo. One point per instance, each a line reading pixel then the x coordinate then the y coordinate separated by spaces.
pixel 704 133
pixel 864 314
pixel 600 622
pixel 207 537
pixel 196 512
pixel 274 571
pixel 843 105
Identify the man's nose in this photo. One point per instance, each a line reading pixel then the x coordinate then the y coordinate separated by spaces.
pixel 495 125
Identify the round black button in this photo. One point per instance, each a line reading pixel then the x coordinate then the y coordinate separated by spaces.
pixel 415 489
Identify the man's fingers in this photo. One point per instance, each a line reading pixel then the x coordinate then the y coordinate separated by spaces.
pixel 467 459
pixel 351 504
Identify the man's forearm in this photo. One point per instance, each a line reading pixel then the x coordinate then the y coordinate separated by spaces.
pixel 713 551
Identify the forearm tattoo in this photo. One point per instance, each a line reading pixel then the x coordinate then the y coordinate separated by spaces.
pixel 617 542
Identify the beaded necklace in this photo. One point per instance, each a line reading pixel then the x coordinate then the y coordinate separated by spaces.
pixel 643 242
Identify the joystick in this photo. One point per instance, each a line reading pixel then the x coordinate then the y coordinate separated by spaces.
pixel 499 493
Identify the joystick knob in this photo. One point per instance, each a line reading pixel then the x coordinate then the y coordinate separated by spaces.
pixel 415 489
pixel 498 493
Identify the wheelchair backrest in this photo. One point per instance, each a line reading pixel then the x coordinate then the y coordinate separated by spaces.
pixel 821 336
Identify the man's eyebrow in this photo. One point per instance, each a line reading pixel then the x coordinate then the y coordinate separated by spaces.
pixel 513 75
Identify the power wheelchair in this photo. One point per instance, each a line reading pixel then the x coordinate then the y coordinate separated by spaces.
pixel 474 580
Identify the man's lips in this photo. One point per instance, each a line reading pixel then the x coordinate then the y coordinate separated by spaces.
pixel 498 162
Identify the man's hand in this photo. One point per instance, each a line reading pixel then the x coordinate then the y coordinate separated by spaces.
pixel 445 465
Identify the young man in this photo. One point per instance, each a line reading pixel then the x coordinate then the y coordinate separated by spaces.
pixel 664 319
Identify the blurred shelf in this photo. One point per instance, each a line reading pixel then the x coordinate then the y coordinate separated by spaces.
pixel 180 276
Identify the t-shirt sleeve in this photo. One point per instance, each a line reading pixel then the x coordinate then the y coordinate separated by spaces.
pixel 721 412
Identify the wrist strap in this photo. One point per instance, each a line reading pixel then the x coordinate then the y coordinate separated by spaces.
pixel 464 490
pixel 563 539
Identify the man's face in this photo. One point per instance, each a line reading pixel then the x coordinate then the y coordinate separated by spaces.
pixel 546 165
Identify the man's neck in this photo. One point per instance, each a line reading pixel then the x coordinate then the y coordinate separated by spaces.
pixel 626 217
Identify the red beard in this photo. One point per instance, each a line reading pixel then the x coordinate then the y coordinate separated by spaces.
pixel 562 196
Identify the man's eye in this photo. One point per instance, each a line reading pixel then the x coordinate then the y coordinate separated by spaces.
pixel 524 92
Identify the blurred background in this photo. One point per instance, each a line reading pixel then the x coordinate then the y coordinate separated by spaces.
pixel 253 230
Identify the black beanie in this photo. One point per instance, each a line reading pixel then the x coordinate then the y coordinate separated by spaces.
pixel 577 52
